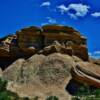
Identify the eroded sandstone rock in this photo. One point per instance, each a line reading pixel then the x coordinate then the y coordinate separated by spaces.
pixel 45 75
pixel 87 73
pixel 32 40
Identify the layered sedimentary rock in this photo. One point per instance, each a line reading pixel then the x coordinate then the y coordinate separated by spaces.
pixel 32 40
pixel 29 37
pixel 65 35
pixel 87 73
pixel 40 38
pixel 6 58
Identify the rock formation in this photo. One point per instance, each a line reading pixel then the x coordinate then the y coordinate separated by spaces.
pixel 49 75
pixel 87 73
pixel 45 75
pixel 32 40
pixel 45 59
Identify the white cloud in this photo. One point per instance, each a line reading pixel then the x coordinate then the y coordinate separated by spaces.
pixel 80 10
pixel 45 4
pixel 96 14
pixel 42 24
pixel 96 52
pixel 72 15
pixel 62 8
pixel 90 54
pixel 51 20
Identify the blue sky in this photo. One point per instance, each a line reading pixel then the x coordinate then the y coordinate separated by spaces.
pixel 83 15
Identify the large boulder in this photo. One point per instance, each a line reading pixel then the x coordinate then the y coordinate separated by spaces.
pixel 87 73
pixel 56 69
pixel 40 76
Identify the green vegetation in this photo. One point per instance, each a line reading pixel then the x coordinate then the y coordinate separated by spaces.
pixel 25 98
pixel 3 84
pixel 86 93
pixel 36 98
pixel 8 95
pixel 4 93
pixel 52 98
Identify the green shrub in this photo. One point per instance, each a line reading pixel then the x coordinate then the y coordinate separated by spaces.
pixel 85 93
pixel 4 96
pixel 3 84
pixel 26 98
pixel 97 93
pixel 83 90
pixel 52 98
pixel 36 98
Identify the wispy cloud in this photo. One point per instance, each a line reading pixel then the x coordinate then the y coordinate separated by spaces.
pixel 95 54
pixel 96 14
pixel 90 54
pixel 42 24
pixel 62 8
pixel 80 10
pixel 51 20
pixel 45 4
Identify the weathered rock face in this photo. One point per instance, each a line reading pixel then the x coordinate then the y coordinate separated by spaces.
pixel 6 58
pixel 12 72
pixel 29 37
pixel 63 34
pixel 49 75
pixel 80 51
pixel 30 41
pixel 56 69
pixel 86 72
pixel 56 47
pixel 45 75
pixel 40 38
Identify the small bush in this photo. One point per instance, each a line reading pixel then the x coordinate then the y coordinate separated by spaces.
pixel 26 98
pixel 4 96
pixel 97 93
pixel 3 84
pixel 36 98
pixel 52 98
pixel 85 93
